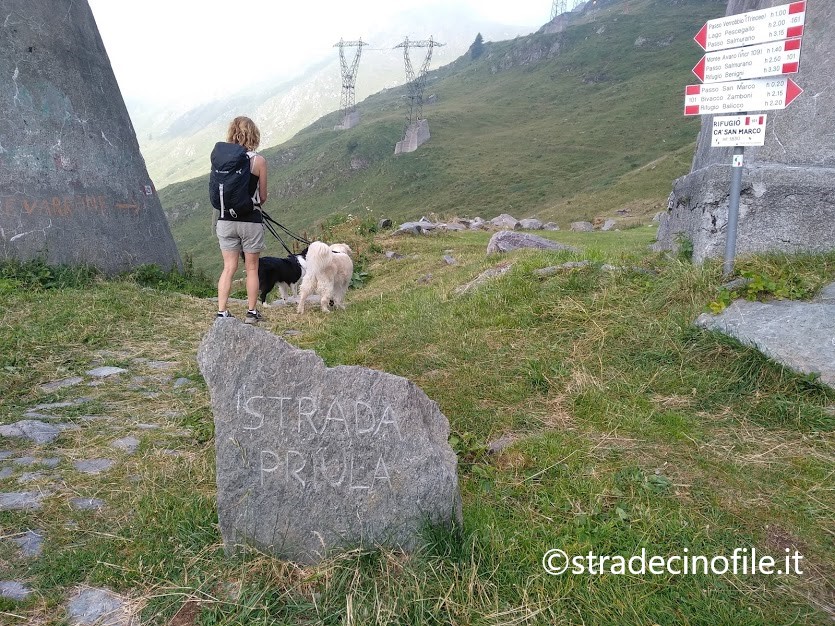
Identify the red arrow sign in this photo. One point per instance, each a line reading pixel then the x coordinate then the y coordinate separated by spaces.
pixel 793 90
pixel 699 70
pixel 754 27
pixel 770 59
pixel 701 37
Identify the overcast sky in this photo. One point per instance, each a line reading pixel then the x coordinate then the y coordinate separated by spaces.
pixel 174 50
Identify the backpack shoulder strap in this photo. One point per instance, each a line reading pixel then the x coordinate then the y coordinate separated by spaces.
pixel 256 197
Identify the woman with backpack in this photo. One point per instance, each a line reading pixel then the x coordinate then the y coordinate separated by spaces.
pixel 238 188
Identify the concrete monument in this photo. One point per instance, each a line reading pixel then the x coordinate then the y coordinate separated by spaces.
pixel 74 188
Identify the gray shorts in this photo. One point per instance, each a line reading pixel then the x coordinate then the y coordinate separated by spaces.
pixel 246 236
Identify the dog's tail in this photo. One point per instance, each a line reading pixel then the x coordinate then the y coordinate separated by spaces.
pixel 318 254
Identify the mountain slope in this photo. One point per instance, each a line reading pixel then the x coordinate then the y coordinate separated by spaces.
pixel 540 125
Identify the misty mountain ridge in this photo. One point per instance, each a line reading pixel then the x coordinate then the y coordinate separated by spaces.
pixel 176 142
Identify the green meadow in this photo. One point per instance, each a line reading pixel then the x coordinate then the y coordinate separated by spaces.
pixel 629 428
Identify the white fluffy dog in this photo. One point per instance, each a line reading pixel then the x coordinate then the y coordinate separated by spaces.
pixel 328 273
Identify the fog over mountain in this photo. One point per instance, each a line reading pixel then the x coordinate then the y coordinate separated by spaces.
pixel 176 142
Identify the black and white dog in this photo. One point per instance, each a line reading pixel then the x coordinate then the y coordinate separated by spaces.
pixel 285 272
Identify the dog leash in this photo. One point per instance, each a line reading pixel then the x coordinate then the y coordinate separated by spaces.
pixel 269 220
pixel 276 235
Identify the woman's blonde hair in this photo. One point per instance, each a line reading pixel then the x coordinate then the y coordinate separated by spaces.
pixel 244 132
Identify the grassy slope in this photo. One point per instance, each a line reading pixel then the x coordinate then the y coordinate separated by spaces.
pixel 596 128
pixel 634 430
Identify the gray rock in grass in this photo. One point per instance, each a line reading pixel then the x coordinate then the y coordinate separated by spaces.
pixel 314 459
pixel 60 384
pixel 800 335
pixel 35 430
pixel 106 371
pixel 94 466
pixel 21 501
pixel 99 607
pixel 507 241
pixel 14 590
pixel 30 543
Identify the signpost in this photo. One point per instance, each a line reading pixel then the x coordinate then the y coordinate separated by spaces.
pixel 748 54
pixel 738 130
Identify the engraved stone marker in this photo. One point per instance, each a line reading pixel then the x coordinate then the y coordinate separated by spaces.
pixel 312 459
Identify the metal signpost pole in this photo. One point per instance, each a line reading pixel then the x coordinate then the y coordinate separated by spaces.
pixel 733 210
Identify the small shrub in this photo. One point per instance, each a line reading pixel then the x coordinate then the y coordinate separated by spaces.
pixel 332 222
pixel 37 275
pixel 8 286
pixel 722 301
pixel 761 286
pixel 367 226
pixel 189 281
pixel 358 279
pixel 685 248
pixel 467 446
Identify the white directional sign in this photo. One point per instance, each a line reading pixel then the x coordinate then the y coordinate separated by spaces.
pixel 738 130
pixel 768 59
pixel 762 94
pixel 755 27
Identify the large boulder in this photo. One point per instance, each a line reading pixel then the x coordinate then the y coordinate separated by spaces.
pixel 507 240
pixel 582 227
pixel 531 224
pixel 506 221
pixel 788 185
pixel 799 335
pixel 312 459
pixel 410 228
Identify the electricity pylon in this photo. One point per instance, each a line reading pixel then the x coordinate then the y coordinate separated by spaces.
pixel 348 100
pixel 563 6
pixel 417 81
pixel 558 8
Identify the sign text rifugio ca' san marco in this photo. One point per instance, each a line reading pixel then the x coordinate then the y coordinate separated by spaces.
pixel 744 70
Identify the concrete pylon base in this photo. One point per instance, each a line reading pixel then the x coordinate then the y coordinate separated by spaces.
pixel 416 135
pixel 74 189
pixel 349 121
